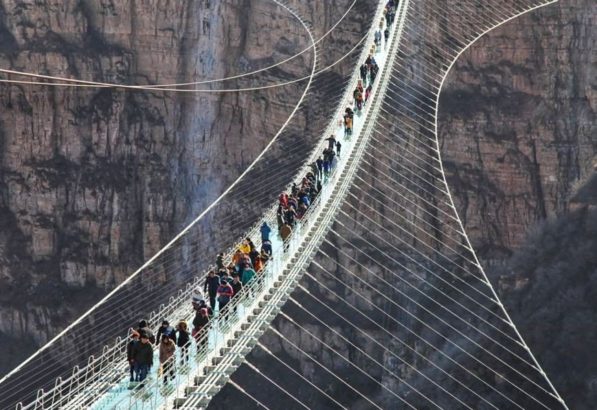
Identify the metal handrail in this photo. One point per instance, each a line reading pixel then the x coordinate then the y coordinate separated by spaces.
pixel 115 364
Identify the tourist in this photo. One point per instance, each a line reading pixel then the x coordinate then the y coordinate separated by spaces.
pixel 166 329
pixel 144 330
pixel 166 355
pixel 199 326
pixel 248 274
pixel 220 261
pixel 225 292
pixel 183 341
pixel 265 231
pixel 130 354
pixel 211 287
pixel 143 357
pixel 285 232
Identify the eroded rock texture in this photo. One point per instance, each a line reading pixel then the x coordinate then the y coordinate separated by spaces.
pixel 517 122
pixel 519 139
pixel 94 181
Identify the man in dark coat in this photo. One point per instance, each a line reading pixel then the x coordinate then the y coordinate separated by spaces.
pixel 212 281
pixel 130 354
pixel 144 329
pixel 143 357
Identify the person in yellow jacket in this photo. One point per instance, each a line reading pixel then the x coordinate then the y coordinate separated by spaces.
pixel 245 247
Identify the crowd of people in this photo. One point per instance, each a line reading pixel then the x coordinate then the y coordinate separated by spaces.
pixel 227 280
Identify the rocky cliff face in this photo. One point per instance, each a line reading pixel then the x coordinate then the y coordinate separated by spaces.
pixel 94 181
pixel 519 138
pixel 123 168
pixel 517 122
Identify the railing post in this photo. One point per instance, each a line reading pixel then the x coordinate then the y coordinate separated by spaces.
pixel 39 400
pixel 73 379
pixel 87 369
pixel 55 391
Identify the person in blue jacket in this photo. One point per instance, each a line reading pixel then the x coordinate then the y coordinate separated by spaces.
pixel 265 231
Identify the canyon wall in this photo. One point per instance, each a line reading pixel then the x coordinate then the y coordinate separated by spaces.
pixel 517 123
pixel 517 132
pixel 518 127
pixel 95 180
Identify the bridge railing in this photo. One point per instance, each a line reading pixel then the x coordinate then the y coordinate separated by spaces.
pixel 306 238
pixel 105 371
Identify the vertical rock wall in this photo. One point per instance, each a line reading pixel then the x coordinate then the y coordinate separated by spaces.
pixel 94 181
pixel 519 138
pixel 512 159
pixel 517 122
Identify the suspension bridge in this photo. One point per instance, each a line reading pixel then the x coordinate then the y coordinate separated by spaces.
pixel 380 266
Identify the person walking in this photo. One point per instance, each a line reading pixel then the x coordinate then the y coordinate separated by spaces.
pixel 225 292
pixel 166 329
pixel 338 148
pixel 320 166
pixel 266 247
pixel 285 232
pixel 247 275
pixel 331 141
pixel 199 303
pixel 144 329
pixel 236 285
pixel 130 354
pixel 364 70
pixel 166 355
pixel 374 71
pixel 326 166
pixel 265 231
pixel 347 125
pixel 200 322
pixel 212 281
pixel 220 261
pixel 183 341
pixel 143 357
pixel 377 38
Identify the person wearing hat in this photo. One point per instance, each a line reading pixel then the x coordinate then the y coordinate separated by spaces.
pixel 144 329
pixel 265 231
pixel 130 353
